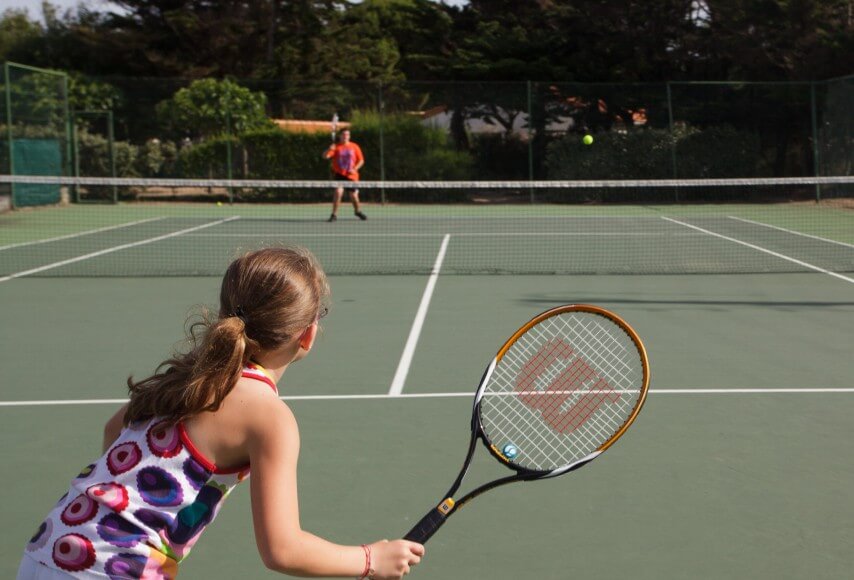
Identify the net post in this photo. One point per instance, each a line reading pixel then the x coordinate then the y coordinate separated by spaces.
pixel 9 132
pixel 815 148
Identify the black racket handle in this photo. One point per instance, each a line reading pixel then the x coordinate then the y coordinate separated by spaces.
pixel 424 530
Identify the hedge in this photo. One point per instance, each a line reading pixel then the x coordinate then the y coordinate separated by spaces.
pixel 715 152
pixel 412 152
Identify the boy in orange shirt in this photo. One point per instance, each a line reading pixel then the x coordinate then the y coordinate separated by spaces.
pixel 347 159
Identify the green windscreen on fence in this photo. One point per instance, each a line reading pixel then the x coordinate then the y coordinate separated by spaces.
pixel 37 128
pixel 37 157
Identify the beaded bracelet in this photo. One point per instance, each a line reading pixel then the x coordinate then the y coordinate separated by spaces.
pixel 367 572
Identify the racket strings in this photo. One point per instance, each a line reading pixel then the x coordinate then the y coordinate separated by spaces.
pixel 562 390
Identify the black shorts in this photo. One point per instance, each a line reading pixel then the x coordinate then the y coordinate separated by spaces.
pixel 339 177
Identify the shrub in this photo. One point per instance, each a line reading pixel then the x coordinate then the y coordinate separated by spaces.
pixel 500 157
pixel 411 152
pixel 638 154
pixel 206 159
pixel 717 152
pixel 714 152
pixel 157 158
pixel 93 152
pixel 212 107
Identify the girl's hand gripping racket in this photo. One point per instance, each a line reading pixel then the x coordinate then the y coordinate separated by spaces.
pixel 560 391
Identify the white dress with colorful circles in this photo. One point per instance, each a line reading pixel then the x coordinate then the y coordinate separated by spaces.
pixel 139 509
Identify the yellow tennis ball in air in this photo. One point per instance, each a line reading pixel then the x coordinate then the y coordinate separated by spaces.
pixel 219 203
pixel 587 140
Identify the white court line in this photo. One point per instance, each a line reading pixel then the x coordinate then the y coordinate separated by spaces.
pixel 425 235
pixel 409 349
pixel 110 250
pixel 793 232
pixel 79 234
pixel 383 396
pixel 761 249
pixel 314 235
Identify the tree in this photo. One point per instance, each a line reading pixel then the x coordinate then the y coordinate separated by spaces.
pixel 187 38
pixel 86 94
pixel 335 56
pixel 770 40
pixel 209 107
pixel 418 29
pixel 20 37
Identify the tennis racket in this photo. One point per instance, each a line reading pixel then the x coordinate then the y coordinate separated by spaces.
pixel 560 392
pixel 334 127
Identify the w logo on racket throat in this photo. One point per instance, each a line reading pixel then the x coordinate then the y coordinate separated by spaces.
pixel 551 400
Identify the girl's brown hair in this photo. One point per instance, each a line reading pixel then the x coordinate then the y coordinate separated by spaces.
pixel 267 298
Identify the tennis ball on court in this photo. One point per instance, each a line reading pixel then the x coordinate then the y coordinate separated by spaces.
pixel 510 451
pixel 587 140
pixel 219 203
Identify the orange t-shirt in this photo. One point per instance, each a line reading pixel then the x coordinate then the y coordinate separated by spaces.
pixel 345 157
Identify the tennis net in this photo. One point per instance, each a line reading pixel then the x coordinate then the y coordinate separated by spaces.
pixel 182 227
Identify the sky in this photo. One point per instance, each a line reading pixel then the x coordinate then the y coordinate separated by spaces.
pixel 34 7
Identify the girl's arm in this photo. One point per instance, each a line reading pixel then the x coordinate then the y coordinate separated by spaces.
pixel 113 427
pixel 273 445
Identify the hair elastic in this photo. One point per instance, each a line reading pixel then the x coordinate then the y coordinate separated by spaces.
pixel 239 313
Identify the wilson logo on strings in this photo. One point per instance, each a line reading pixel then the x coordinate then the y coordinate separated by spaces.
pixel 569 382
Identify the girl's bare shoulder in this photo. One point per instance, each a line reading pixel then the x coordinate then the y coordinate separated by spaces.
pixel 258 407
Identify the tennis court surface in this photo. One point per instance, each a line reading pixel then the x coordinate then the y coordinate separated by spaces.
pixel 737 467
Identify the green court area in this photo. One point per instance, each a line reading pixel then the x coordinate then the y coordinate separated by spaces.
pixel 737 466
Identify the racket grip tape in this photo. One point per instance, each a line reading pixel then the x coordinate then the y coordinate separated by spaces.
pixel 424 529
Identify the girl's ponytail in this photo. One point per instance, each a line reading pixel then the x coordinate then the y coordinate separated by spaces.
pixel 267 298
pixel 197 381
pixel 217 365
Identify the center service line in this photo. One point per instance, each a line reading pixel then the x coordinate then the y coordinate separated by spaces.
pixel 409 350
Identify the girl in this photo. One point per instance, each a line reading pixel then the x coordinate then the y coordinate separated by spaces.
pixel 189 435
